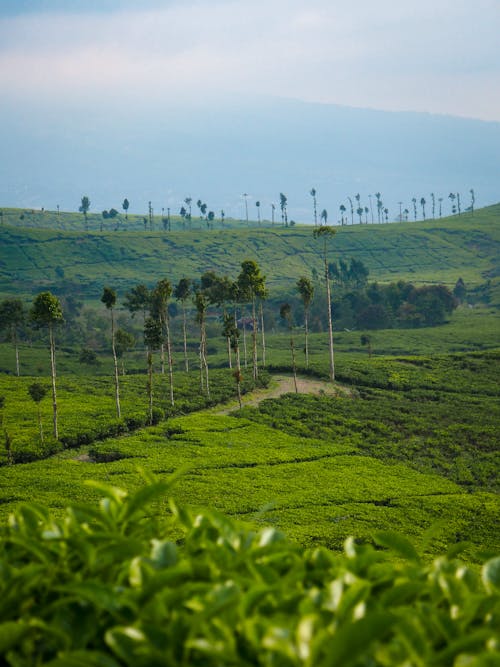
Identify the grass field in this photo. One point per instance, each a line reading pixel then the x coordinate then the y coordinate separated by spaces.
pixel 49 256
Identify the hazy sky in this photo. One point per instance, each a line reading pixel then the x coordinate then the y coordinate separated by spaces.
pixel 439 56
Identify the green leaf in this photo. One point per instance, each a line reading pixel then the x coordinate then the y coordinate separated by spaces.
pixel 83 659
pixel 491 575
pixel 123 641
pixel 11 633
pixel 142 498
pixel 397 543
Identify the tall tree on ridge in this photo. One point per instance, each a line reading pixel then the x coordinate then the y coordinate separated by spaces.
pixel 379 206
pixel 13 316
pixel 324 217
pixel 108 298
pixel 352 210
pixel 414 202
pixel 433 199
pixel 46 311
pixel 472 200
pixel 325 234
pixel 458 204
pixel 84 208
pixel 283 205
pixel 306 291
pixel 257 204
pixel 125 207
pixel 342 211
pixel 182 292
pixel 315 210
pixel 422 204
pixel 440 200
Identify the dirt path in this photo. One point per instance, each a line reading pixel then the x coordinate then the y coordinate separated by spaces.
pixel 284 384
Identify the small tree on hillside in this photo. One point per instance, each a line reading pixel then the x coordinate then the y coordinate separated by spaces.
pixel 201 304
pixel 84 208
pixel 12 317
pixel 306 291
pixel 152 339
pixel 326 234
pixel 46 311
pixel 182 292
pixel 315 209
pixel 108 298
pixel 38 392
pixel 124 341
pixel 159 310
pixel 125 207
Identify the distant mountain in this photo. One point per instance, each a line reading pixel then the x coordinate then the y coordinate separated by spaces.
pixel 262 147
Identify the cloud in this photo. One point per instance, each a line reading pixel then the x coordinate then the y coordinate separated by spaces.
pixel 438 57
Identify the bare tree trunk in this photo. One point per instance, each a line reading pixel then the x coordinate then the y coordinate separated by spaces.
pixel 238 374
pixel 186 360
pixel 261 308
pixel 255 370
pixel 53 374
pixel 330 326
pixel 294 365
pixel 40 425
pixel 115 360
pixel 150 386
pixel 162 359
pixel 169 359
pixel 244 341
pixel 203 357
pixel 306 318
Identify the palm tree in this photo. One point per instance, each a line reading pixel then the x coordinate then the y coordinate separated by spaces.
pixel 440 200
pixel 182 292
pixel 379 205
pixel 433 199
pixel 108 298
pixel 306 291
pixel 257 204
pixel 472 200
pixel 326 233
pixel 286 314
pixel 315 210
pixel 422 204
pixel 458 204
pixel 451 197
pixel 414 202
pixel 283 205
pixel 47 311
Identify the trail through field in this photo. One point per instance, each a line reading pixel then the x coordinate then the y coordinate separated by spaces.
pixel 284 384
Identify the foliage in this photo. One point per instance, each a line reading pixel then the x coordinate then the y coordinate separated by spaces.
pixel 110 586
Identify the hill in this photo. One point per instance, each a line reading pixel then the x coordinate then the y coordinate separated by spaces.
pixel 47 255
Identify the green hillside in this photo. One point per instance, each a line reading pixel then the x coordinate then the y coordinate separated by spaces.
pixel 44 250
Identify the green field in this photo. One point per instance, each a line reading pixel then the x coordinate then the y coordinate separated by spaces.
pixel 52 254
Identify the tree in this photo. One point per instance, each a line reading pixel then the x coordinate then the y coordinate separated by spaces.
pixel 366 340
pixel 326 234
pixel 414 202
pixel 124 341
pixel 342 211
pixel 283 205
pixel 125 207
pixel 137 300
pixel 379 205
pixel 152 339
pixel 324 217
pixel 84 208
pixel 472 200
pixel 219 291
pixel 12 317
pixel 315 210
pixel 38 392
pixel 440 200
pixel 422 204
pixel 459 207
pixel 159 310
pixel 459 291
pixel 257 204
pixel 352 210
pixel 286 314
pixel 452 198
pixel 359 211
pixel 251 284
pixel 231 332
pixel 433 200
pixel 47 312
pixel 306 291
pixel 182 292
pixel 201 303
pixel 108 298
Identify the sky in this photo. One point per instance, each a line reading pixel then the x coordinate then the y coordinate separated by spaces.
pixel 436 56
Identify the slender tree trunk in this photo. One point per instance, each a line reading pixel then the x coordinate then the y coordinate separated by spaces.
pixel 238 374
pixel 53 373
pixel 203 357
pixel 162 359
pixel 255 370
pixel 169 359
pixel 229 355
pixel 40 425
pixel 294 365
pixel 263 334
pixel 330 326
pixel 244 341
pixel 150 386
pixel 186 360
pixel 306 318
pixel 115 361
pixel 16 349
